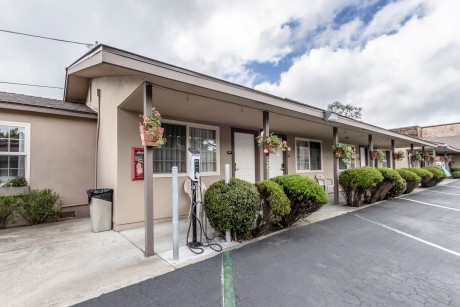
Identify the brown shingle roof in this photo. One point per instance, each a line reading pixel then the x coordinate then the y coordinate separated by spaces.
pixel 452 141
pixel 45 103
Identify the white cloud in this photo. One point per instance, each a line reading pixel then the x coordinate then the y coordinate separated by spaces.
pixel 411 77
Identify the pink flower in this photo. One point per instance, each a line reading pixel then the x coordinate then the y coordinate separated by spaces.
pixel 158 114
pixel 266 151
pixel 284 142
pixel 289 148
pixel 146 117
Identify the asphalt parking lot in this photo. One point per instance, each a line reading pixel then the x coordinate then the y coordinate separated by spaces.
pixel 403 252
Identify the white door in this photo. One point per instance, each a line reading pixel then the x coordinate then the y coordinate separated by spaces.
pixel 276 164
pixel 245 164
pixel 362 156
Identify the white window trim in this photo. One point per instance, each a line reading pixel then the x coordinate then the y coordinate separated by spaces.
pixel 189 125
pixel 295 148
pixel 26 152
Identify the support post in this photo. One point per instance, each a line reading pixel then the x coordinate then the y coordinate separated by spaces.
pixel 335 140
pixel 423 155
pixel 266 162
pixel 411 164
pixel 175 213
pixel 434 156
pixel 148 179
pixel 393 161
pixel 228 236
pixel 371 149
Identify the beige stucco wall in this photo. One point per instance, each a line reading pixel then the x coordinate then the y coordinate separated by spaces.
pixel 61 153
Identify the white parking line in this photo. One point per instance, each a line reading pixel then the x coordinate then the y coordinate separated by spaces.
pixel 441 192
pixel 410 236
pixel 428 204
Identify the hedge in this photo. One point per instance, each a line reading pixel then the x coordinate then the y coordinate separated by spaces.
pixel 275 204
pixel 38 206
pixel 424 175
pixel 398 189
pixel 232 206
pixel 379 192
pixel 438 175
pixel 412 179
pixel 356 182
pixel 456 174
pixel 305 196
pixel 7 210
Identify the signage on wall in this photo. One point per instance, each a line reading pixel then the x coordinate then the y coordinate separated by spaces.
pixel 137 163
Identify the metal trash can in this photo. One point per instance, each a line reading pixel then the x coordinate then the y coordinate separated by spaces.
pixel 100 209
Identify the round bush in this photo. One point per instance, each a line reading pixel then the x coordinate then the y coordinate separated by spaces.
pixel 305 195
pixel 356 182
pixel 455 169
pixel 232 206
pixel 424 175
pixel 438 175
pixel 275 199
pixel 397 189
pixel 37 206
pixel 380 191
pixel 7 209
pixel 456 174
pixel 412 179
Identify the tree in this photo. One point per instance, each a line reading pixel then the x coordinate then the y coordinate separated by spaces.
pixel 345 109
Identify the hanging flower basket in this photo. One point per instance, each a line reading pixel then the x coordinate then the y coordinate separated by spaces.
pixel 399 156
pixel 272 143
pixel 149 139
pixel 426 158
pixel 339 153
pixel 374 155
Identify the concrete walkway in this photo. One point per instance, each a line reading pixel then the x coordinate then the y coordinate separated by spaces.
pixel 64 263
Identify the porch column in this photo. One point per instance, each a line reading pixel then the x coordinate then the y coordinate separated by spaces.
pixel 266 155
pixel 434 156
pixel 445 158
pixel 423 155
pixel 371 149
pixel 411 163
pixel 148 179
pixel 335 140
pixel 393 161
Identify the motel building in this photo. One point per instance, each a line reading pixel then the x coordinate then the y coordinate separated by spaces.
pixel 91 138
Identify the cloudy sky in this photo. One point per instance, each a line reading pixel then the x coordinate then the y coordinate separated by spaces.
pixel 399 60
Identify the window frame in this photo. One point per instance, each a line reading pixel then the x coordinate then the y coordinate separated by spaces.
pixel 309 163
pixel 348 164
pixel 26 153
pixel 189 125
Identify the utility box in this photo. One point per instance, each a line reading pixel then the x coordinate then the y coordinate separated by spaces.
pixel 100 209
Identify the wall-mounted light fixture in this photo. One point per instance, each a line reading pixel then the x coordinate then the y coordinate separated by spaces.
pixel 330 116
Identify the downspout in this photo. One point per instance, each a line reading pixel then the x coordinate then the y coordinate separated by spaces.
pixel 97 134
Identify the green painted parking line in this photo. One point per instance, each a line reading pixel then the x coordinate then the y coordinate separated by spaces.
pixel 229 291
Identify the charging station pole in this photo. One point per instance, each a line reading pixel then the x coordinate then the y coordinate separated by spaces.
pixel 193 156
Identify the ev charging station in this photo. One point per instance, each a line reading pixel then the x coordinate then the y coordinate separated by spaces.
pixel 193 158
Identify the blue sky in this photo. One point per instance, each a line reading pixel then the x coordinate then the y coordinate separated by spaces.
pixel 370 53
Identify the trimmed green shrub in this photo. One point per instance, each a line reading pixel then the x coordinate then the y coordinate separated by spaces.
pixel 425 176
pixel 456 175
pixel 412 179
pixel 275 203
pixel 398 189
pixel 7 210
pixel 305 194
pixel 356 182
pixel 38 206
pixel 379 192
pixel 233 206
pixel 438 175
pixel 455 169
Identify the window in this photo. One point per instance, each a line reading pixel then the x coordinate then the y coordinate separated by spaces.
pixel 386 162
pixel 14 150
pixel 343 166
pixel 181 136
pixel 308 155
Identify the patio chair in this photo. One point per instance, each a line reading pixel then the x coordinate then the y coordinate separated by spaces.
pixel 325 182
